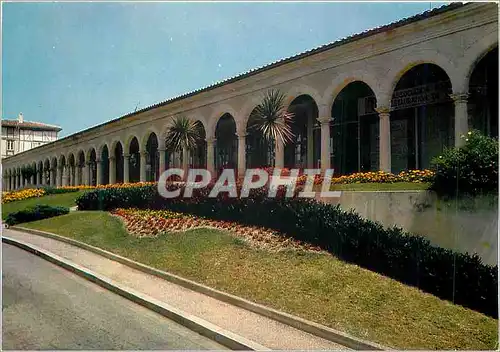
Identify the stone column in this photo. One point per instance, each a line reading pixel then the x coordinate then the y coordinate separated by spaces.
pixel 461 117
pixel 142 176
pixel 112 170
pixel 384 138
pixel 70 175
pixel 86 174
pixel 211 156
pixel 99 175
pixel 52 177
pixel 279 155
pixel 59 171
pixel 161 153
pixel 78 180
pixel 126 165
pixel 310 140
pixel 66 173
pixel 325 142
pixel 242 163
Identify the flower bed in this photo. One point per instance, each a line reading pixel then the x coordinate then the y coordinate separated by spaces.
pixel 46 190
pixel 150 223
pixel 386 177
pixel 22 194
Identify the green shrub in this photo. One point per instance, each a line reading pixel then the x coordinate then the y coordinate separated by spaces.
pixel 38 212
pixel 471 169
pixel 54 190
pixel 411 259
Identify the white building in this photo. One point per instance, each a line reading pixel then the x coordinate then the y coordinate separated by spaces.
pixel 20 135
pixel 390 98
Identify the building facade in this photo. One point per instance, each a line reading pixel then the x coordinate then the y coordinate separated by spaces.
pixel 19 135
pixel 390 99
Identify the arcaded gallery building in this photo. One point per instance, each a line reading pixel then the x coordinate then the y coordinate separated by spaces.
pixel 390 98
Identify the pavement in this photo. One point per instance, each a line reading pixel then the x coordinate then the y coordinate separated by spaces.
pixel 47 307
pixel 259 329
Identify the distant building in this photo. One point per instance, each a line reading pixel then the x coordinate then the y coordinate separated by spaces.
pixel 19 135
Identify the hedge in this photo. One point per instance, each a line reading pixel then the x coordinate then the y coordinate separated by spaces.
pixel 38 212
pixel 55 190
pixel 411 259
pixel 470 169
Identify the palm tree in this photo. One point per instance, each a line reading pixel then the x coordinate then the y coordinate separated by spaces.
pixel 272 119
pixel 183 135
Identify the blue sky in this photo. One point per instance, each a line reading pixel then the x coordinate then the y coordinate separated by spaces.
pixel 78 65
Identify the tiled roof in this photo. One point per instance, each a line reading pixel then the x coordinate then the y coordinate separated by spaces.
pixel 31 125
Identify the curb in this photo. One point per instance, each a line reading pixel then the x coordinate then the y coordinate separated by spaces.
pixel 313 328
pixel 209 330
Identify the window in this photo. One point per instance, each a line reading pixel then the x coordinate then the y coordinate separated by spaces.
pixel 10 145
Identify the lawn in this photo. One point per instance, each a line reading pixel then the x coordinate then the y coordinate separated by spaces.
pixel 63 199
pixel 317 287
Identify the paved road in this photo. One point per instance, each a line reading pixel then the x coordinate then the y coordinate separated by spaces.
pixel 47 307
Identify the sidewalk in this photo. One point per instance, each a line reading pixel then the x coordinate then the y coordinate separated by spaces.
pixel 262 330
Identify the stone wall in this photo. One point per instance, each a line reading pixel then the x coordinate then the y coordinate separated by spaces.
pixel 466 226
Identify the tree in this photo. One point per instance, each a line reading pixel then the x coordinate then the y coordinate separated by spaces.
pixel 272 119
pixel 182 133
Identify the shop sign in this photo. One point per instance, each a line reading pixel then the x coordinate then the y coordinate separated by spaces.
pixel 420 95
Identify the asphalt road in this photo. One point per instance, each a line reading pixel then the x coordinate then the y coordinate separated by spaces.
pixel 47 307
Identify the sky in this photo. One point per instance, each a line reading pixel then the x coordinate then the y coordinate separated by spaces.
pixel 78 65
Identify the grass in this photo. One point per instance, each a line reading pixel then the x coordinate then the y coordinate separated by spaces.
pixel 317 287
pixel 63 199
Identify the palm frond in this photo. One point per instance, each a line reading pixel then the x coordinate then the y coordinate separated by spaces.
pixel 272 119
pixel 182 133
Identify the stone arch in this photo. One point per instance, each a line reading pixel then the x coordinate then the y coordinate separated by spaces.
pixel 354 131
pixel 410 60
pixel 72 166
pixel 89 151
pixel 472 56
pixel 246 111
pixel 80 164
pixel 422 117
pixel 91 159
pixel 303 150
pixel 117 150
pixel 298 90
pixel 217 113
pixel 226 143
pixel 101 147
pixel 62 159
pixel 128 140
pixel 144 140
pixel 482 92
pixel 150 146
pixel 133 149
pixel 344 79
